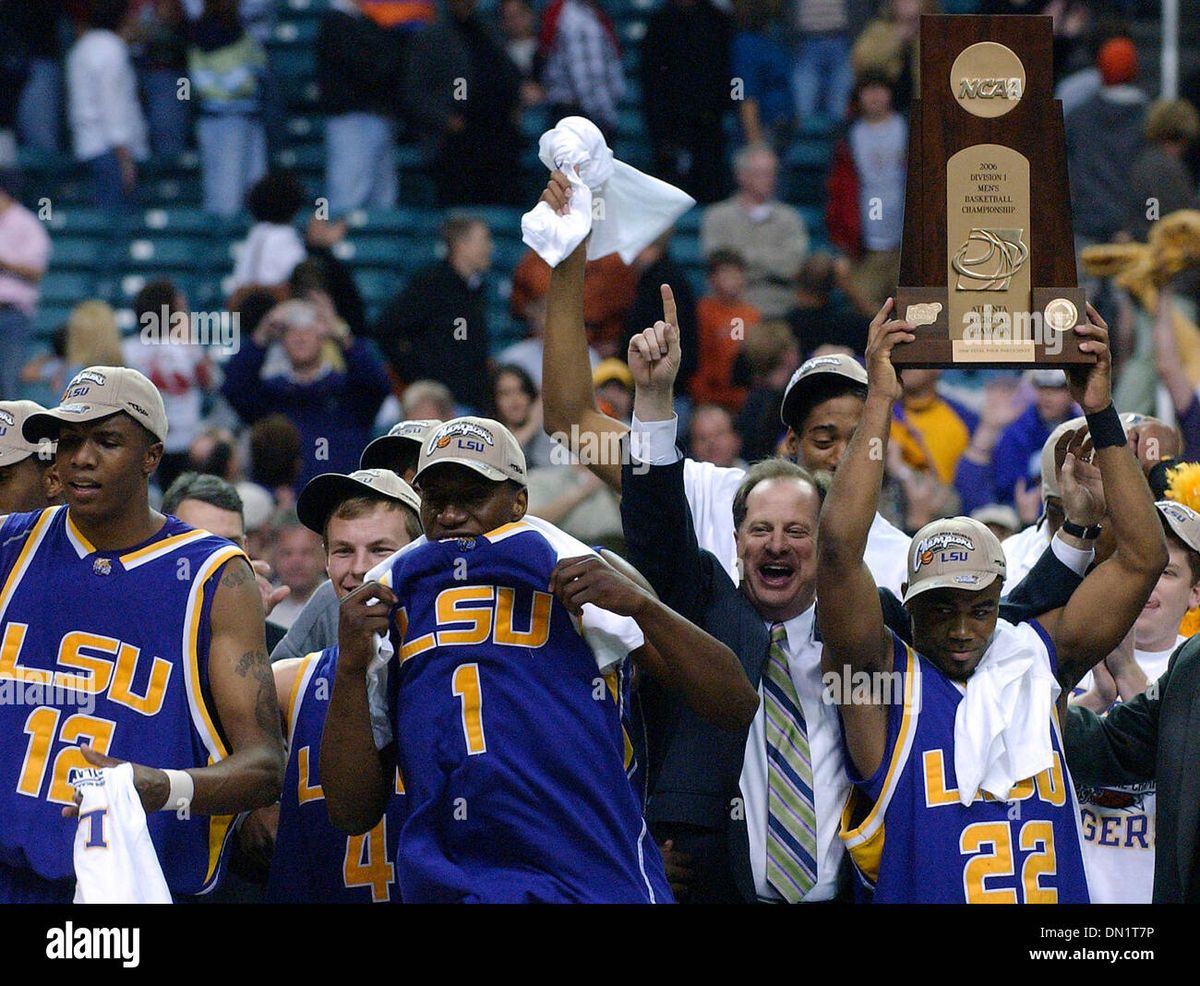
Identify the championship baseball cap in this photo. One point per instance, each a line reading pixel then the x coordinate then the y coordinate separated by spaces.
pixel 1050 484
pixel 100 391
pixel 13 445
pixel 406 436
pixel 323 493
pixel 818 370
pixel 1183 521
pixel 955 553
pixel 477 443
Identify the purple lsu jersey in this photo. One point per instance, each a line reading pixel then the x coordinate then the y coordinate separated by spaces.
pixel 313 861
pixel 508 733
pixel 912 840
pixel 110 649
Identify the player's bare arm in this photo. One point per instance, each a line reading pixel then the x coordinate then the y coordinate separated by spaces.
pixel 677 653
pixel 848 610
pixel 243 690
pixel 355 794
pixel 568 398
pixel 1109 600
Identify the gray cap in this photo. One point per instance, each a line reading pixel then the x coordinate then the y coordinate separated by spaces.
pixel 1183 521
pixel 407 435
pixel 13 445
pixel 481 444
pixel 323 493
pixel 954 553
pixel 98 392
pixel 819 368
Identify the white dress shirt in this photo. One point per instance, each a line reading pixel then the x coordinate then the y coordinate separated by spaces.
pixel 831 784
pixel 710 491
pixel 104 108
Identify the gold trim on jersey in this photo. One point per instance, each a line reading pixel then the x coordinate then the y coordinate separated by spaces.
pixel 299 689
pixel 150 552
pixel 83 547
pixel 864 842
pixel 507 531
pixel 33 541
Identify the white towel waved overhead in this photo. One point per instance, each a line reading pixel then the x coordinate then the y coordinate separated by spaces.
pixel 637 208
pixel 1002 726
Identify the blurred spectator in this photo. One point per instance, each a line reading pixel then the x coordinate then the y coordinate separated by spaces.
pixel 158 35
pixel 931 431
pixel 90 338
pixel 819 317
pixel 1002 404
pixel 572 498
pixel 436 328
pixel 399 15
pixel 226 66
pixel 999 519
pixel 107 126
pixel 712 438
pixel 655 268
pixel 360 76
pixel 1100 181
pixel 427 400
pixel 771 356
pixel 1159 175
pixel 518 25
pixel 583 74
pixel 215 452
pixel 273 248
pixel 35 28
pixel 1171 374
pixel 332 408
pixel 890 45
pixel 464 99
pixel 299 563
pixel 528 354
pixel 762 62
pixel 180 370
pixel 878 141
pixel 723 320
pixel 823 76
pixel 1016 462
pixel 770 236
pixel 517 405
pixel 276 458
pixel 24 253
pixel 685 70
pixel 614 388
pixel 322 273
pixel 14 72
pixel 608 289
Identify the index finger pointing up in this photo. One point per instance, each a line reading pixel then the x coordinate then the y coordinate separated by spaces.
pixel 669 305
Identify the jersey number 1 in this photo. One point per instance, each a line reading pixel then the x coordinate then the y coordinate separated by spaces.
pixel 466 686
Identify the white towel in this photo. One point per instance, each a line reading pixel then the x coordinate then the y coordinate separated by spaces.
pixel 115 861
pixel 1002 726
pixel 637 207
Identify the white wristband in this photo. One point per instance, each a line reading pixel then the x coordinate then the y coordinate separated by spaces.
pixel 182 789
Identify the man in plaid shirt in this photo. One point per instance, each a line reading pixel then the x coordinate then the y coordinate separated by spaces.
pixel 583 63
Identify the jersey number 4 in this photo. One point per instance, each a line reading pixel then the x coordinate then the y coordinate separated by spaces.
pixel 366 863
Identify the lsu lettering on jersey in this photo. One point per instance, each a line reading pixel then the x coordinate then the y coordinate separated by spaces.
pixel 111 649
pixel 314 862
pixel 508 730
pixel 911 839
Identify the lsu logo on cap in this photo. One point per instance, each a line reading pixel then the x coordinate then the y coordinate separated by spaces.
pixel 1174 512
pixel 87 376
pixel 930 546
pixel 441 437
pixel 7 419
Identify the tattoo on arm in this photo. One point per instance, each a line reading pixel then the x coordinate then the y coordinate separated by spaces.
pixel 266 709
pixel 236 573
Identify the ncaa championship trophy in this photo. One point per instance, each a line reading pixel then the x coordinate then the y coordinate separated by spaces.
pixel 987 260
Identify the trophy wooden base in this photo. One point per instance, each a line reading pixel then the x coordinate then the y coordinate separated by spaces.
pixel 1041 338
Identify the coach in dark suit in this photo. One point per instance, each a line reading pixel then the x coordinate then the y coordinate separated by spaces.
pixel 704 784
pixel 1155 736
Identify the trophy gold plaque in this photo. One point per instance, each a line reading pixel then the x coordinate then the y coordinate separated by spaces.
pixel 987 260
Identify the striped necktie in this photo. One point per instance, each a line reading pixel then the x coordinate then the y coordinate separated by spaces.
pixel 791 821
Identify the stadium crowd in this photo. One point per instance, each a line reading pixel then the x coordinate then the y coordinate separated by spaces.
pixel 283 350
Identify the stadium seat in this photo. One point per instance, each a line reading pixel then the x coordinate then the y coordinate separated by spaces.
pixel 685 250
pixel 78 253
pixel 80 221
pixel 294 62
pixel 690 221
pixel 67 288
pixel 508 250
pixel 394 222
pixel 167 254
pixel 293 32
pixel 170 222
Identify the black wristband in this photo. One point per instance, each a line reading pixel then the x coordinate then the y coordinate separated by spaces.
pixel 1105 428
pixel 1078 531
